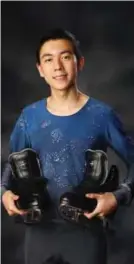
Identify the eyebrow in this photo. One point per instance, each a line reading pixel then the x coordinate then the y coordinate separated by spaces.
pixel 62 52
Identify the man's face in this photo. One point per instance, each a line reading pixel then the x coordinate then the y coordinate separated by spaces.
pixel 58 64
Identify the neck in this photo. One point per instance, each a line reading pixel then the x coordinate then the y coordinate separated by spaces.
pixel 63 97
pixel 66 102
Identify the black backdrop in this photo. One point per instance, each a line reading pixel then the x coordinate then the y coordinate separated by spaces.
pixel 105 30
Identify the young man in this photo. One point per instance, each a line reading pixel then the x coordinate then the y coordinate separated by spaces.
pixel 60 129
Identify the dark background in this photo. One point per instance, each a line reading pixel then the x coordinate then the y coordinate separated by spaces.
pixel 106 33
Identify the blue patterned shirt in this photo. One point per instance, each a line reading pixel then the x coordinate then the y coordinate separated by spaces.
pixel 61 141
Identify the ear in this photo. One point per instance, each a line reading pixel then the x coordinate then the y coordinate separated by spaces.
pixel 39 68
pixel 81 63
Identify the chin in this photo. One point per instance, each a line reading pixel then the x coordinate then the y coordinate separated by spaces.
pixel 61 87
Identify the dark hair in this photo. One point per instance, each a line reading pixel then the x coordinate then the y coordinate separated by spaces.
pixel 56 259
pixel 59 34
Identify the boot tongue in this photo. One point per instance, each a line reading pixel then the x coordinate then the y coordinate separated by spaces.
pixel 25 164
pixel 96 168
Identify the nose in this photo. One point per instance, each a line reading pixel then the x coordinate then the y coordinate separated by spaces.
pixel 57 65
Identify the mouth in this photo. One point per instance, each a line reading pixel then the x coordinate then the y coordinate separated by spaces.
pixel 60 77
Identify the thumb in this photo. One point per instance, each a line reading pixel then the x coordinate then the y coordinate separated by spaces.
pixel 92 195
pixel 16 197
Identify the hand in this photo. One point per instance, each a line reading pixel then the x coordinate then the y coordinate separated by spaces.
pixel 8 199
pixel 106 204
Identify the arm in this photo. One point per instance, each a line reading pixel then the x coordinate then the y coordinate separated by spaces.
pixel 6 178
pixel 19 140
pixel 123 145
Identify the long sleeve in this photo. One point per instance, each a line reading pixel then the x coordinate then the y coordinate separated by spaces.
pixel 19 140
pixel 123 145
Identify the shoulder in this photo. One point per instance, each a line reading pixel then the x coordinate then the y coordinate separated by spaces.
pixel 33 108
pixel 104 112
pixel 110 114
pixel 106 115
pixel 100 107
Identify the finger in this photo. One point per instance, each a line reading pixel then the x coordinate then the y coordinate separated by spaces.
pixel 93 195
pixel 13 213
pixel 92 214
pixel 15 210
pixel 20 212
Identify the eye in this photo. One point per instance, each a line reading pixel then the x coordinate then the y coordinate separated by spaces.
pixel 67 57
pixel 48 60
